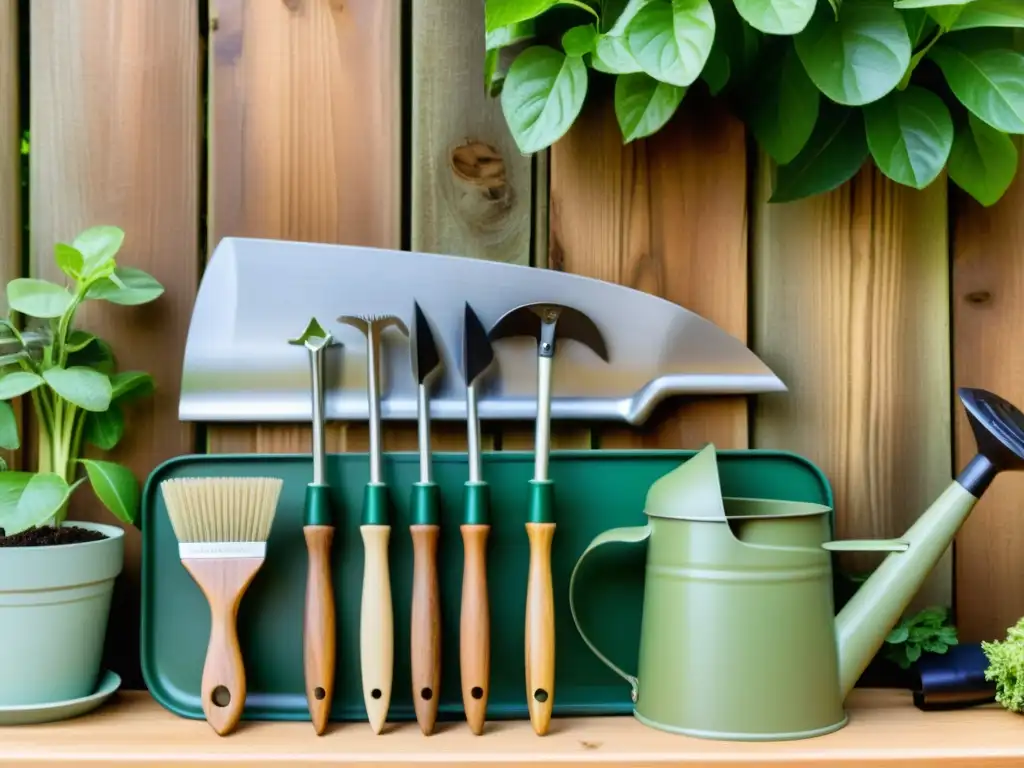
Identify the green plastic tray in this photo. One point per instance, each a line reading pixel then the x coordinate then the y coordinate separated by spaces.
pixel 594 491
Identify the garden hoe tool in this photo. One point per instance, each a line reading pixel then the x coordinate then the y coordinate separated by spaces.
pixel 475 619
pixel 376 619
pixel 739 639
pixel 425 627
pixel 543 322
pixel 318 528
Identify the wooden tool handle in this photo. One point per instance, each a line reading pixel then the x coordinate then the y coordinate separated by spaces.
pixel 540 628
pixel 425 628
pixel 319 627
pixel 475 627
pixel 376 625
pixel 223 582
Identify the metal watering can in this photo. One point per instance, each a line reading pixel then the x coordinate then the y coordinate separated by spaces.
pixel 739 639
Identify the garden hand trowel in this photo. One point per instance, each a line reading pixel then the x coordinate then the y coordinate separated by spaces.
pixel 543 321
pixel 231 374
pixel 318 528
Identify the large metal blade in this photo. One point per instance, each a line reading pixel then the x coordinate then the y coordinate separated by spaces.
pixel 236 367
pixel 477 353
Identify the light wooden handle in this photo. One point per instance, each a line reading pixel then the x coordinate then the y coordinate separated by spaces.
pixel 223 582
pixel 319 626
pixel 540 628
pixel 475 627
pixel 376 625
pixel 425 629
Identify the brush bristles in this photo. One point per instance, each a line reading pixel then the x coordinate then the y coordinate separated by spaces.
pixel 221 509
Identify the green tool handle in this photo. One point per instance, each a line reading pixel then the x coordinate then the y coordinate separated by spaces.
pixel 319 629
pixel 425 625
pixel 540 608
pixel 475 618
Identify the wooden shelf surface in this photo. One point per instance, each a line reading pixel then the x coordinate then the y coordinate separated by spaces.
pixel 885 729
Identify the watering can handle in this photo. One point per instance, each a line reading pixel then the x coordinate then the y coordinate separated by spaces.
pixel 630 535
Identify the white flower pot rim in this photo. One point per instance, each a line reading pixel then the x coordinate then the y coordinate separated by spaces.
pixel 111 532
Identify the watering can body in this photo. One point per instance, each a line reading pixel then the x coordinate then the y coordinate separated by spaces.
pixel 739 638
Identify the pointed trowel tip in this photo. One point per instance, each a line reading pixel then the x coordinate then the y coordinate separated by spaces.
pixel 426 359
pixel 477 353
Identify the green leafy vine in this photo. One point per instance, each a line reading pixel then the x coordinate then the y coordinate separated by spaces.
pixel 918 86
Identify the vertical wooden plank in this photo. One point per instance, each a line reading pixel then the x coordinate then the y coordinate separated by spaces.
pixel 850 303
pixel 665 215
pixel 115 140
pixel 10 167
pixel 988 313
pixel 471 190
pixel 305 144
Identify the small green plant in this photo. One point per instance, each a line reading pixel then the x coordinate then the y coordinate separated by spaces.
pixel 917 86
pixel 1006 667
pixel 928 630
pixel 71 379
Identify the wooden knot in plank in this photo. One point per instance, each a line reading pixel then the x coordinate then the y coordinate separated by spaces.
pixel 482 193
pixel 978 297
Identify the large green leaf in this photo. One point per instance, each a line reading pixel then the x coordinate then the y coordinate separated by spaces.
pixel 137 287
pixel 502 13
pixel 131 384
pixel 99 245
pixel 861 56
pixel 629 11
pixel 989 82
pixel 611 55
pixel 835 152
pixel 671 41
pixel 104 429
pixel 38 298
pixel 946 15
pixel 910 134
pixel 18 383
pixel 983 161
pixel 43 496
pixel 580 40
pixel 542 96
pixel 12 485
pixel 991 13
pixel 115 486
pixel 10 439
pixel 783 108
pixel 69 259
pixel 643 105
pixel 86 388
pixel 776 17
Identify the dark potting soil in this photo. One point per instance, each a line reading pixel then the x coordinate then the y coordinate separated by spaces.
pixel 48 537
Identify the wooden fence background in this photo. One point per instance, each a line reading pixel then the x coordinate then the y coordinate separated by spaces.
pixel 365 122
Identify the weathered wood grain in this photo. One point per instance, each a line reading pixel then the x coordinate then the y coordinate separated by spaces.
pixel 10 169
pixel 850 309
pixel 988 314
pixel 666 215
pixel 305 145
pixel 471 189
pixel 115 140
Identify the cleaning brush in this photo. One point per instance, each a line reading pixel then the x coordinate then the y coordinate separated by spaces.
pixel 222 525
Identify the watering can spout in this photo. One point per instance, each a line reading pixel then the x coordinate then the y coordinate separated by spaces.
pixel 864 622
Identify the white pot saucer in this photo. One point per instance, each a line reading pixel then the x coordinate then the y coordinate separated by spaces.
pixel 31 714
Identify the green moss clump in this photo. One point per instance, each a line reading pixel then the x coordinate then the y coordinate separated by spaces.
pixel 1006 667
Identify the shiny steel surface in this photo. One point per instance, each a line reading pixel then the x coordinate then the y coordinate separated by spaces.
pixel 231 373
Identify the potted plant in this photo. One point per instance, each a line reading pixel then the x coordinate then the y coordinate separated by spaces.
pixel 57 577
pixel 824 86
pixel 1005 662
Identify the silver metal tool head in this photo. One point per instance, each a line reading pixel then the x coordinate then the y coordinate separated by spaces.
pixel 477 353
pixel 426 362
pixel 374 323
pixel 314 337
pixel 543 321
